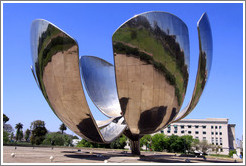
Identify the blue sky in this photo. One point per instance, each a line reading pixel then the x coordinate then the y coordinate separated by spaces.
pixel 93 25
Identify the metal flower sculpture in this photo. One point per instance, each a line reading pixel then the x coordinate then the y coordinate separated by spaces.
pixel 141 93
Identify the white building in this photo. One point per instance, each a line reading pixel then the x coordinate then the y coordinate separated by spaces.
pixel 216 131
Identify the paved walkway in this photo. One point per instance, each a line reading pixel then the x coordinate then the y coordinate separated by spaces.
pixel 74 155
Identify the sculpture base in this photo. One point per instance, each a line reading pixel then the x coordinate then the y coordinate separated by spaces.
pixel 135 147
pixel 135 142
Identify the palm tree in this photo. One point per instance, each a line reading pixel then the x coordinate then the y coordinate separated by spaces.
pixel 63 127
pixel 19 127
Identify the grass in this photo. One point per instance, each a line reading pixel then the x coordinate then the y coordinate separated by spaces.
pixel 220 155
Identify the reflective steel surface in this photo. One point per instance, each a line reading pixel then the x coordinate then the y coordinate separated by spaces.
pixel 204 64
pixel 99 79
pixel 151 53
pixel 144 90
pixel 56 67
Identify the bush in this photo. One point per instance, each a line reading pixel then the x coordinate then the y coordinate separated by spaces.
pixel 159 142
pixel 85 143
pixel 119 143
pixel 145 140
pixel 231 152
pixel 57 139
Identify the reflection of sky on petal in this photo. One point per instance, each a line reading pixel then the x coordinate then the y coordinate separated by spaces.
pixel 38 27
pixel 99 79
pixel 206 39
pixel 172 25
pixel 206 47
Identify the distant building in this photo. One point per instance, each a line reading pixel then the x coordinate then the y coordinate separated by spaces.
pixel 216 131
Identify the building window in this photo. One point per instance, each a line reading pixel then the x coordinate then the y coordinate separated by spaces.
pixel 216 143
pixel 175 131
pixel 197 132
pixel 197 138
pixel 168 131
pixel 216 127
pixel 189 132
pixel 182 126
pixel 220 133
pixel 220 140
pixel 204 138
pixel 221 149
pixel 204 132
pixel 182 131
pixel 212 133
pixel 196 126
pixel 204 127
pixel 212 127
pixel 189 126
pixel 216 133
pixel 162 131
pixel 219 127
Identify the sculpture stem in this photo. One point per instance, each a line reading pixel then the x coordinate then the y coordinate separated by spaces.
pixel 135 147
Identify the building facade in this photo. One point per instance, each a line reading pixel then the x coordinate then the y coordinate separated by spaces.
pixel 216 131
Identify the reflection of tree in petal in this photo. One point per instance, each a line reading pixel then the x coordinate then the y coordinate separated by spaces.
pixel 201 78
pixel 51 42
pixel 137 38
pixel 134 52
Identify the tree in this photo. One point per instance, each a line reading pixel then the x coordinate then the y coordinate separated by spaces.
pixel 56 138
pixel 5 136
pixel 18 128
pixel 20 135
pixel 216 148
pixel 187 141
pixel 195 144
pixel 158 141
pixel 11 136
pixel 27 135
pixel 176 144
pixel 119 143
pixel 145 140
pixel 7 127
pixel 63 127
pixel 201 145
pixel 85 143
pixel 204 146
pixel 38 132
pixel 5 118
